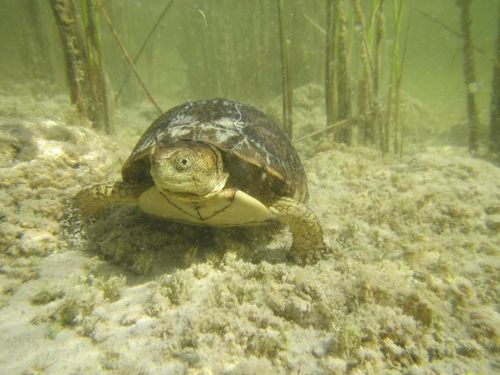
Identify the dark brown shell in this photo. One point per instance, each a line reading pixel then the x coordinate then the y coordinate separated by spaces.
pixel 258 154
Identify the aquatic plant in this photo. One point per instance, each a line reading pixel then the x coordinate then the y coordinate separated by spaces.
pixel 469 75
pixel 286 67
pixel 495 97
pixel 338 92
pixel 330 43
pixel 84 71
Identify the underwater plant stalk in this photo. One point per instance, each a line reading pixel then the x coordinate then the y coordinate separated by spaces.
pixel 143 46
pixel 100 110
pixel 73 48
pixel 379 36
pixel 286 68
pixel 330 39
pixel 394 92
pixel 494 145
pixel 398 139
pixel 126 55
pixel 343 82
pixel 376 107
pixel 361 25
pixel 370 126
pixel 469 75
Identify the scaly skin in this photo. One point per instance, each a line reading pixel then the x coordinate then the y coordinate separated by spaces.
pixel 95 199
pixel 306 230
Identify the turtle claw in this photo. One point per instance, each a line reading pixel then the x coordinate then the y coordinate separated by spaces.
pixel 93 201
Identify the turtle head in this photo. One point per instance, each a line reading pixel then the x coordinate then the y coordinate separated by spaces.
pixel 190 170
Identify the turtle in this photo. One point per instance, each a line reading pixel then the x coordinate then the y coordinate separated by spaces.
pixel 216 162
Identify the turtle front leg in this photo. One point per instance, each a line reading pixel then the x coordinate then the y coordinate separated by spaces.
pixel 306 230
pixel 94 200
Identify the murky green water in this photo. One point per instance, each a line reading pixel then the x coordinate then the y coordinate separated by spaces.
pixel 409 277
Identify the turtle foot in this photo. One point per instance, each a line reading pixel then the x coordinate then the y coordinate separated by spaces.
pixel 93 201
pixel 308 244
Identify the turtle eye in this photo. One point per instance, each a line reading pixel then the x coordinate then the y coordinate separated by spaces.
pixel 183 163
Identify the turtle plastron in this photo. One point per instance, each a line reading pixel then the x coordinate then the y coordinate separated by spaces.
pixel 231 207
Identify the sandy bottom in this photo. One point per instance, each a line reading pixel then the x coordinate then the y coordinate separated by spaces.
pixel 410 284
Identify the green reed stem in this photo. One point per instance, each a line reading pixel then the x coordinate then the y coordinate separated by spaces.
pixel 469 75
pixel 286 68
pixel 494 145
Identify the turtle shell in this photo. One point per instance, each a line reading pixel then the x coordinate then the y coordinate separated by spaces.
pixel 258 155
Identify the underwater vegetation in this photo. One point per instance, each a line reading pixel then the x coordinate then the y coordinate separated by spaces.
pixel 375 114
pixel 366 56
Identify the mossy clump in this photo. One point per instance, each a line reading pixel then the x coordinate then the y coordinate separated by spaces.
pixel 177 287
pixel 111 287
pixel 266 343
pixel 75 308
pixel 47 295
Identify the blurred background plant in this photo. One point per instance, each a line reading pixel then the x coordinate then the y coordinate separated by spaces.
pixel 357 52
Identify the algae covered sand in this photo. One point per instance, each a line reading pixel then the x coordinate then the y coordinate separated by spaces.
pixel 410 284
